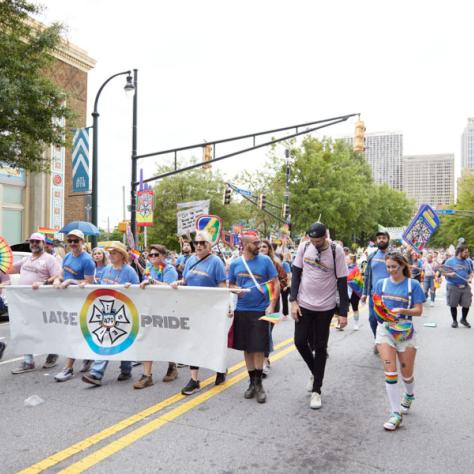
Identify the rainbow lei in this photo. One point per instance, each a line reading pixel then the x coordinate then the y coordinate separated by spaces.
pixel 356 281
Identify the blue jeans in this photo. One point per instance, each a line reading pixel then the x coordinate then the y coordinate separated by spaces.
pixel 99 366
pixel 428 286
pixel 372 318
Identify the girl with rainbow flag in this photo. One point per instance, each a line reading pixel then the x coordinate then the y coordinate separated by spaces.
pixel 396 300
pixel 355 285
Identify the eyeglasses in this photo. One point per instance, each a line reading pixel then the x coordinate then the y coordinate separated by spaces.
pixel 73 241
pixel 317 257
pixel 153 254
pixel 200 242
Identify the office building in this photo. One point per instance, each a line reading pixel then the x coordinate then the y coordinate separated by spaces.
pixel 429 179
pixel 467 146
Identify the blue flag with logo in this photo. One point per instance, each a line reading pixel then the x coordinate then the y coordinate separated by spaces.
pixel 80 161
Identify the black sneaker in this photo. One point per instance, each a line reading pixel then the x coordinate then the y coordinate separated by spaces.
pixel 465 323
pixel 454 324
pixel 192 387
pixel 124 376
pixel 2 349
pixel 92 379
pixel 51 361
pixel 220 378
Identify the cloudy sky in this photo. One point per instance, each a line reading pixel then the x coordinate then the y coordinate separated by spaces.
pixel 214 69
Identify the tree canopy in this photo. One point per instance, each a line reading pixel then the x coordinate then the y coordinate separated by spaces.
pixel 32 107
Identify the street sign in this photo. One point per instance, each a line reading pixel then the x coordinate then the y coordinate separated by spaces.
pixel 80 161
pixel 446 212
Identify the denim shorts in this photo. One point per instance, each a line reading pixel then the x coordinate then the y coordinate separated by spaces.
pixel 384 337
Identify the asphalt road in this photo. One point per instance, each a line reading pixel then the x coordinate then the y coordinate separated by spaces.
pixel 115 428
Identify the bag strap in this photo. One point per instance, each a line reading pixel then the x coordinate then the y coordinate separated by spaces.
pixel 409 292
pixel 198 262
pixel 251 274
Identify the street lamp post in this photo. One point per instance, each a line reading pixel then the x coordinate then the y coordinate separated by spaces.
pixel 95 151
pixel 133 196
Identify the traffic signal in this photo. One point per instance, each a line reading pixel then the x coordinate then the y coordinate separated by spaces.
pixel 207 156
pixel 262 201
pixel 285 211
pixel 227 195
pixel 359 136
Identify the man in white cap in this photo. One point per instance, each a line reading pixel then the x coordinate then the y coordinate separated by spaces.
pixel 36 269
pixel 78 267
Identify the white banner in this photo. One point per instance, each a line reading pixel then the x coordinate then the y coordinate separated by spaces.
pixel 185 205
pixel 187 219
pixel 187 325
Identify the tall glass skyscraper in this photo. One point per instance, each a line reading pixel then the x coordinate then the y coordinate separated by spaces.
pixel 467 146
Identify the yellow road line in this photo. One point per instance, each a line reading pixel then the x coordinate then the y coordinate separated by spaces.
pixel 135 435
pixel 123 424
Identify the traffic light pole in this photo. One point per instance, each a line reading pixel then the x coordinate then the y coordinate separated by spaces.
pixel 325 123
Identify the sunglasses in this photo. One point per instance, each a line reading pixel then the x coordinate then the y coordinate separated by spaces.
pixel 200 242
pixel 35 241
pixel 73 241
pixel 153 254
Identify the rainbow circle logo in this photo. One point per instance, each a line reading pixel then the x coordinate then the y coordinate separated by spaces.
pixel 109 321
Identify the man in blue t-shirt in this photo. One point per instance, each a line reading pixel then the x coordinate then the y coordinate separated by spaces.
pixel 207 270
pixel 257 274
pixel 375 271
pixel 78 267
pixel 182 259
pixel 458 271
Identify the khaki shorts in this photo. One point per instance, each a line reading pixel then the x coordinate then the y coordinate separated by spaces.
pixel 384 337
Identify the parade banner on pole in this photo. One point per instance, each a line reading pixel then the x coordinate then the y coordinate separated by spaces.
pixel 421 228
pixel 80 161
pixel 145 208
pixel 187 325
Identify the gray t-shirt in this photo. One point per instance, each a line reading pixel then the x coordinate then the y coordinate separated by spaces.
pixel 318 287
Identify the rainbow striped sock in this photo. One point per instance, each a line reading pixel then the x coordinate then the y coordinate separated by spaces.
pixel 391 377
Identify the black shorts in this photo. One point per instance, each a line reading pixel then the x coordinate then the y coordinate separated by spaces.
pixel 251 334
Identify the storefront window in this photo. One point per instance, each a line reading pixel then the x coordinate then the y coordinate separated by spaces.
pixel 11 225
pixel 12 194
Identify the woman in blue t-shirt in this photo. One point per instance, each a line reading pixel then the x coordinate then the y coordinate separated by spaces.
pixel 403 296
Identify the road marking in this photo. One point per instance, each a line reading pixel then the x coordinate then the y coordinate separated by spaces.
pixel 16 359
pixel 150 427
pixel 2 338
pixel 125 423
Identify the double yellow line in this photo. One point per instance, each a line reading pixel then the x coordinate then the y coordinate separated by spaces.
pixel 138 433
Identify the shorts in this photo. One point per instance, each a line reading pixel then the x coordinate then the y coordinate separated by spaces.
pixel 456 296
pixel 251 334
pixel 384 337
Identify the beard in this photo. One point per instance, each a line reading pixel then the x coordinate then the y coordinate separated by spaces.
pixel 382 245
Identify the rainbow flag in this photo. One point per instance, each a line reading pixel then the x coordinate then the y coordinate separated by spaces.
pixel 273 318
pixel 356 281
pixel 382 313
pixel 269 289
pixel 135 253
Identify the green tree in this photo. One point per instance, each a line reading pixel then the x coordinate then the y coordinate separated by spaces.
pixel 456 226
pixel 194 185
pixel 31 105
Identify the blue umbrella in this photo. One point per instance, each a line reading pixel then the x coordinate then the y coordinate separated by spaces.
pixel 86 227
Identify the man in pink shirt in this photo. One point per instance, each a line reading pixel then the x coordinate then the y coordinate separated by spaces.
pixel 318 284
pixel 37 269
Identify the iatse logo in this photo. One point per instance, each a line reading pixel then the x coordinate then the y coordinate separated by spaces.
pixel 109 321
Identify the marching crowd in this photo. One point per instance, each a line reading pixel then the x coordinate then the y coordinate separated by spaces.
pixel 314 283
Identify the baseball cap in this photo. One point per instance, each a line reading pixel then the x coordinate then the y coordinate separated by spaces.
pixel 77 233
pixel 317 230
pixel 383 232
pixel 36 236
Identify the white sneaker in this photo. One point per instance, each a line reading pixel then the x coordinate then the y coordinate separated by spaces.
pixel 432 304
pixel 309 385
pixel 65 374
pixel 315 402
pixel 356 325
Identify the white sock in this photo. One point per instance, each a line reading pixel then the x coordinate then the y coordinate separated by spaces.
pixel 356 316
pixel 409 385
pixel 393 391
